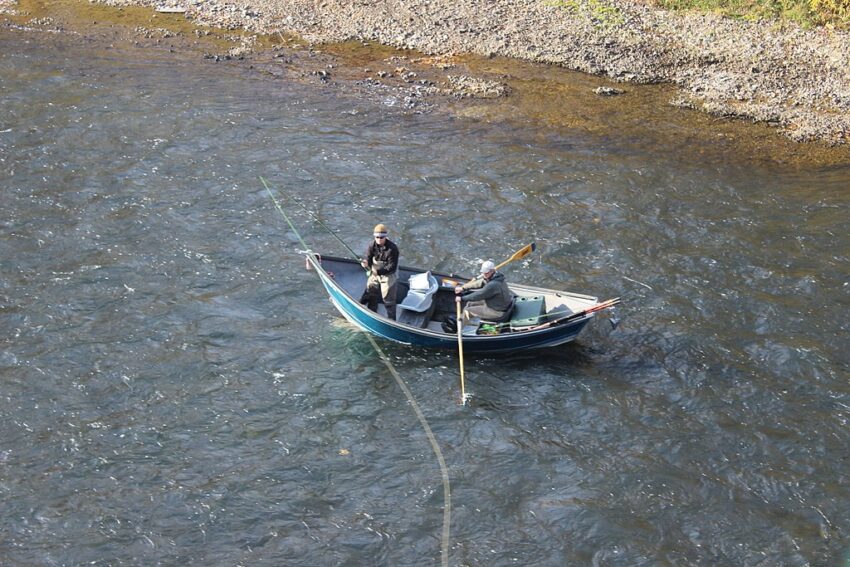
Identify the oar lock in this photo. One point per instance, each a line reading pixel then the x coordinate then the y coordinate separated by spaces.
pixel 307 253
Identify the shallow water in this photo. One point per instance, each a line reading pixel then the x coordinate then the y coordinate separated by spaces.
pixel 177 389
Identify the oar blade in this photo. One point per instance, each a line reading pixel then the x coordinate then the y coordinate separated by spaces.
pixel 519 254
pixel 524 251
pixel 460 349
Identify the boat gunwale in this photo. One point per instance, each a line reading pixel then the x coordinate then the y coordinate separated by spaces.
pixel 316 260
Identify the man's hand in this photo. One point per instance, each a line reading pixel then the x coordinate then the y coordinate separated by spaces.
pixel 364 263
pixel 458 290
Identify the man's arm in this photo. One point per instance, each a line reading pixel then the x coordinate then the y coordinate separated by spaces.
pixel 391 265
pixel 485 292
pixel 367 261
pixel 474 283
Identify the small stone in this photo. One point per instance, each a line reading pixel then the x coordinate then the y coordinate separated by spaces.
pixel 608 91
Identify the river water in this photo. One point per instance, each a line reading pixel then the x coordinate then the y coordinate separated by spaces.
pixel 175 387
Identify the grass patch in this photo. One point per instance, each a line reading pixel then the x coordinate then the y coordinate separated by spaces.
pixel 599 12
pixel 807 13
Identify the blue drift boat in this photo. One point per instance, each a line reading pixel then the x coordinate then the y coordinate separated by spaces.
pixel 425 301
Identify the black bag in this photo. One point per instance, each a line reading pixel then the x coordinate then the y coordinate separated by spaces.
pixel 450 324
pixel 370 298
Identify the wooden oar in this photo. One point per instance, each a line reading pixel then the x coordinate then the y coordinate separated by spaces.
pixel 460 350
pixel 518 255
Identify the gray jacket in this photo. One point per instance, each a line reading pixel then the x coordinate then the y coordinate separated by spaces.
pixel 494 293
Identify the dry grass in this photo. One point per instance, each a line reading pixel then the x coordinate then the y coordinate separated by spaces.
pixel 807 13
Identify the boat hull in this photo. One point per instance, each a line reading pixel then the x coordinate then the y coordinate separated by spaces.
pixel 379 325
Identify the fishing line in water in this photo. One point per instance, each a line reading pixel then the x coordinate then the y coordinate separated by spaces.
pixel 444 471
pixel 637 282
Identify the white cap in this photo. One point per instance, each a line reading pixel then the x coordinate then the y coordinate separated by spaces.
pixel 487 266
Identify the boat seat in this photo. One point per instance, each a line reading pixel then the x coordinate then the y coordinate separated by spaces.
pixel 529 312
pixel 418 306
pixel 508 314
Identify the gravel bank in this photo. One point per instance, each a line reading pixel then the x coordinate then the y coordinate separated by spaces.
pixel 795 79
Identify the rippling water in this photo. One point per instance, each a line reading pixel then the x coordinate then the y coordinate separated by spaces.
pixel 176 388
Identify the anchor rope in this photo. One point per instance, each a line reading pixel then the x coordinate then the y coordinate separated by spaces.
pixel 444 471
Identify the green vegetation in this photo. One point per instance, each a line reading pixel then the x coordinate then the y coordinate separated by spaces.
pixel 603 15
pixel 835 12
pixel 807 13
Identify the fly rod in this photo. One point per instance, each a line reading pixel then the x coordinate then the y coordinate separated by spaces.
pixel 323 225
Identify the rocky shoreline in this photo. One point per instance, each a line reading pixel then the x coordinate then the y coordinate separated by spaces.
pixel 797 80
pixel 793 79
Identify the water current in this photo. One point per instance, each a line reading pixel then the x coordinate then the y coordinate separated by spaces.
pixel 176 389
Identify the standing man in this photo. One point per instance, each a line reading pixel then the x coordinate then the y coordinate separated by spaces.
pixel 382 262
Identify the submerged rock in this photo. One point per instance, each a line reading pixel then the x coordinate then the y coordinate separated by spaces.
pixel 608 91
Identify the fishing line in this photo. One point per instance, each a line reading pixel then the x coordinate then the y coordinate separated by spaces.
pixel 306 210
pixel 286 218
pixel 637 282
pixel 444 471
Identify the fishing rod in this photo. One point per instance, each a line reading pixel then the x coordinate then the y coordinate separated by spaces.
pixel 286 218
pixel 598 307
pixel 323 225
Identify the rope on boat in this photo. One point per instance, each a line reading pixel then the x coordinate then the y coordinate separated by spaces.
pixel 444 471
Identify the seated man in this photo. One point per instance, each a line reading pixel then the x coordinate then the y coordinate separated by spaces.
pixel 491 299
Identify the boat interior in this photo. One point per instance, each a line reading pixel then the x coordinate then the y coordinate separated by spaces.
pixel 426 300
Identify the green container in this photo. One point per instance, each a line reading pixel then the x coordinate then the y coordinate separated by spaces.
pixel 528 312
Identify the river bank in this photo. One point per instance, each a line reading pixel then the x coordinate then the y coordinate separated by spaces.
pixel 798 80
pixel 793 80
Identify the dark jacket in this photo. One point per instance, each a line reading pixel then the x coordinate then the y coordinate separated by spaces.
pixel 382 260
pixel 494 293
